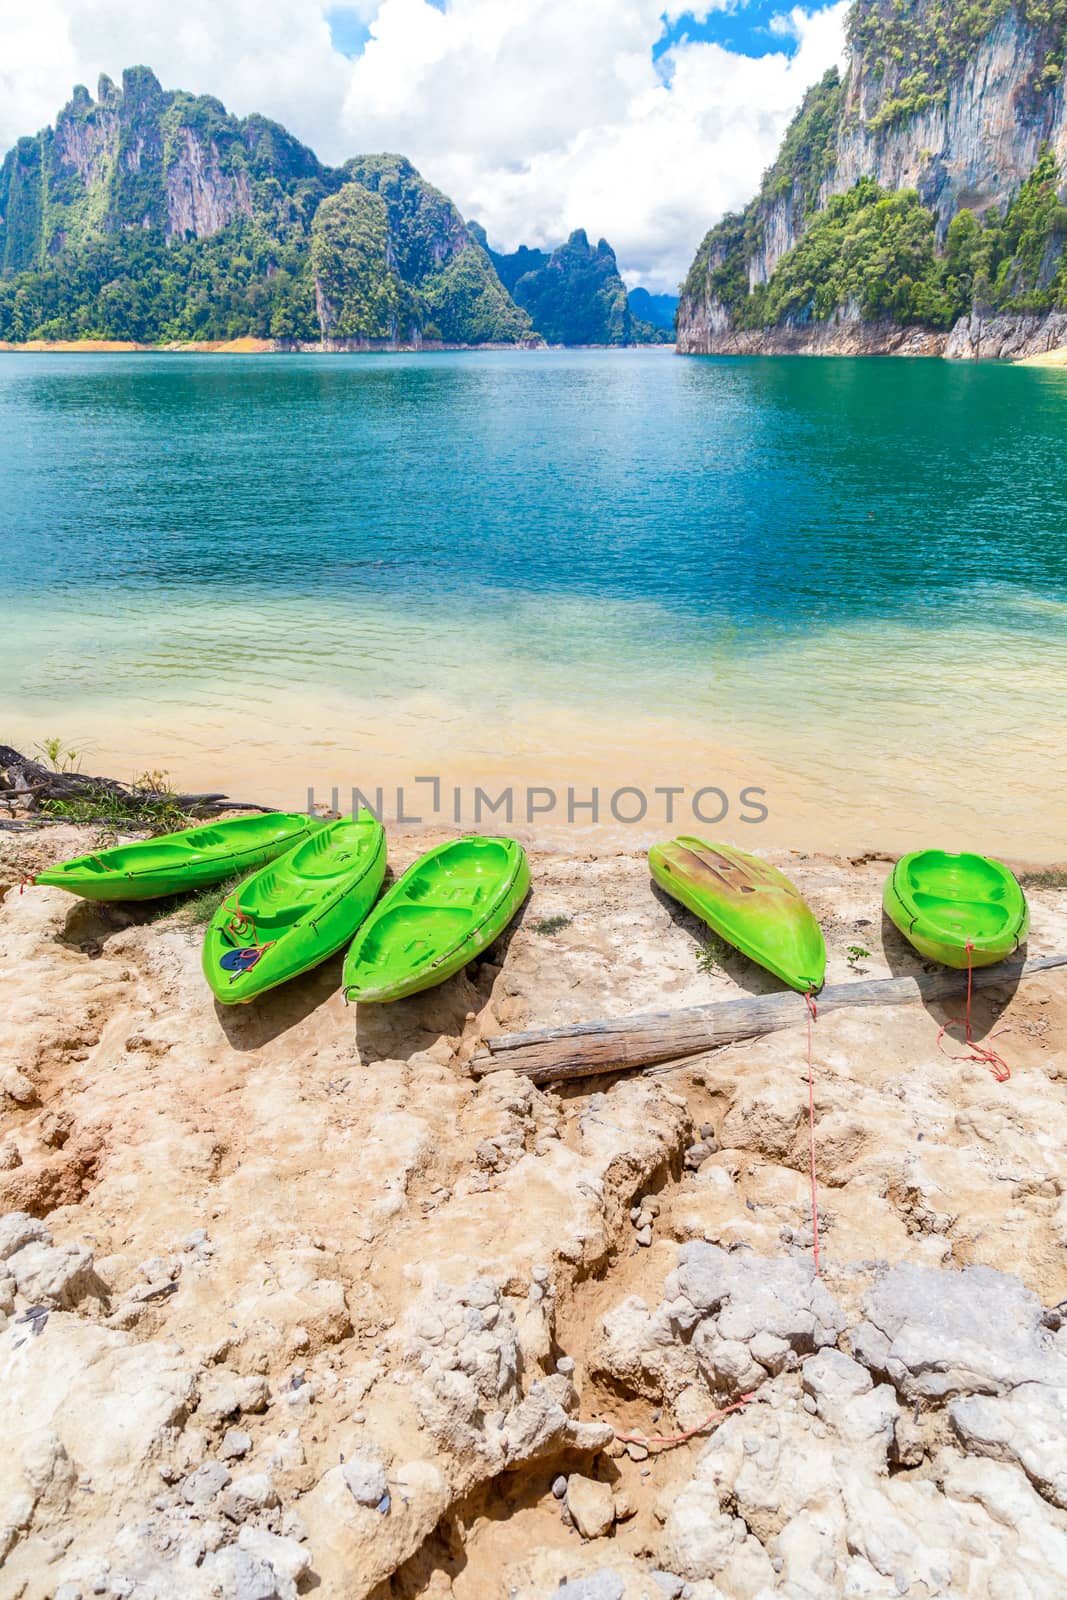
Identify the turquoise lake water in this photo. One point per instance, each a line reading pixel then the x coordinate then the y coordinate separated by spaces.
pixel 842 581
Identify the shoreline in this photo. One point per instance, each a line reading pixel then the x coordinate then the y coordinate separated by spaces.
pixel 273 347
pixel 600 806
pixel 912 344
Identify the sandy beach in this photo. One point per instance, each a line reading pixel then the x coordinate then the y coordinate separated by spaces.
pixel 369 1317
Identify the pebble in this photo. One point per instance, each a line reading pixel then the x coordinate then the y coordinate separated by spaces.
pixel 235 1444
pixel 565 1364
pixel 637 1452
pixel 366 1480
pixel 18 1087
pixel 652 1205
pixel 541 1275
pixel 644 1236
pixel 591 1504
pixel 204 1484
pixel 253 1492
pixel 696 1155
pixel 17 1230
pixel 9 1156
pixel 559 1487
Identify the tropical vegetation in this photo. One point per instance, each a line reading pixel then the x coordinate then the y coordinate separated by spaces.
pixel 156 217
pixel 575 293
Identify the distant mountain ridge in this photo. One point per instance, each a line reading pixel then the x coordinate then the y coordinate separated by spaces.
pixel 573 294
pixel 918 198
pixel 155 216
pixel 658 309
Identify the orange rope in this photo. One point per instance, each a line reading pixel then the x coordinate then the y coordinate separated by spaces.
pixel 978 1052
pixel 812 1015
pixel 682 1438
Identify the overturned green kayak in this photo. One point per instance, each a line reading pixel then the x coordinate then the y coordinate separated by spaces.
pixel 177 862
pixel 957 909
pixel 443 912
pixel 748 903
pixel 293 913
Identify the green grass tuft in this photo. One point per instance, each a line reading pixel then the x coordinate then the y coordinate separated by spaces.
pixel 550 925
pixel 99 807
pixel 198 909
pixel 712 954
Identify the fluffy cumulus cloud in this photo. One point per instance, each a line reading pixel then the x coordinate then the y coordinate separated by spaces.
pixel 536 116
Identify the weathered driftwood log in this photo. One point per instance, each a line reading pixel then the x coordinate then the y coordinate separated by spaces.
pixel 585 1049
pixel 29 783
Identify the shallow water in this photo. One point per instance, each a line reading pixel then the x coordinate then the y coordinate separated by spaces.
pixel 842 582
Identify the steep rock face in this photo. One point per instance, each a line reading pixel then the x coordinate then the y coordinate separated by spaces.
pixel 955 103
pixel 139 157
pixel 201 198
pixel 973 150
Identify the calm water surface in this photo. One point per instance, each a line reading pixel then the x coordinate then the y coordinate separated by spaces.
pixel 844 581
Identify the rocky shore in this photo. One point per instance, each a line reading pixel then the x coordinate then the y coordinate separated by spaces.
pixel 1008 336
pixel 291 1304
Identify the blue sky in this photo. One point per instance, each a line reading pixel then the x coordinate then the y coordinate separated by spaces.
pixel 634 119
pixel 745 28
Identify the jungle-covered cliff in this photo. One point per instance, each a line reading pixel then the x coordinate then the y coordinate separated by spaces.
pixel 155 216
pixel 575 294
pixel 918 199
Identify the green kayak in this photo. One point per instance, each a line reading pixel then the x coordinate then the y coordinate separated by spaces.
pixel 748 903
pixel 944 903
pixel 446 909
pixel 293 913
pixel 176 862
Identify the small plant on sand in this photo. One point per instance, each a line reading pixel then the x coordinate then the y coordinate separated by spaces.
pixel 856 953
pixel 59 758
pixel 711 953
pixel 200 908
pixel 1044 878
pixel 154 782
pixel 550 925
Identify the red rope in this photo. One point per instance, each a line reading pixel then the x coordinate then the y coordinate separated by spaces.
pixel 681 1438
pixel 243 919
pixel 978 1052
pixel 813 1013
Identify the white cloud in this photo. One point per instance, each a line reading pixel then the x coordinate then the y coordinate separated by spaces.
pixel 536 116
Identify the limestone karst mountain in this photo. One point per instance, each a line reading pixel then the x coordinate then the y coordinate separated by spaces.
pixel 917 201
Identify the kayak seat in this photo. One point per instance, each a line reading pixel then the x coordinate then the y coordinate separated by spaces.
pixel 409 925
pixel 946 877
pixel 133 859
pixel 963 918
